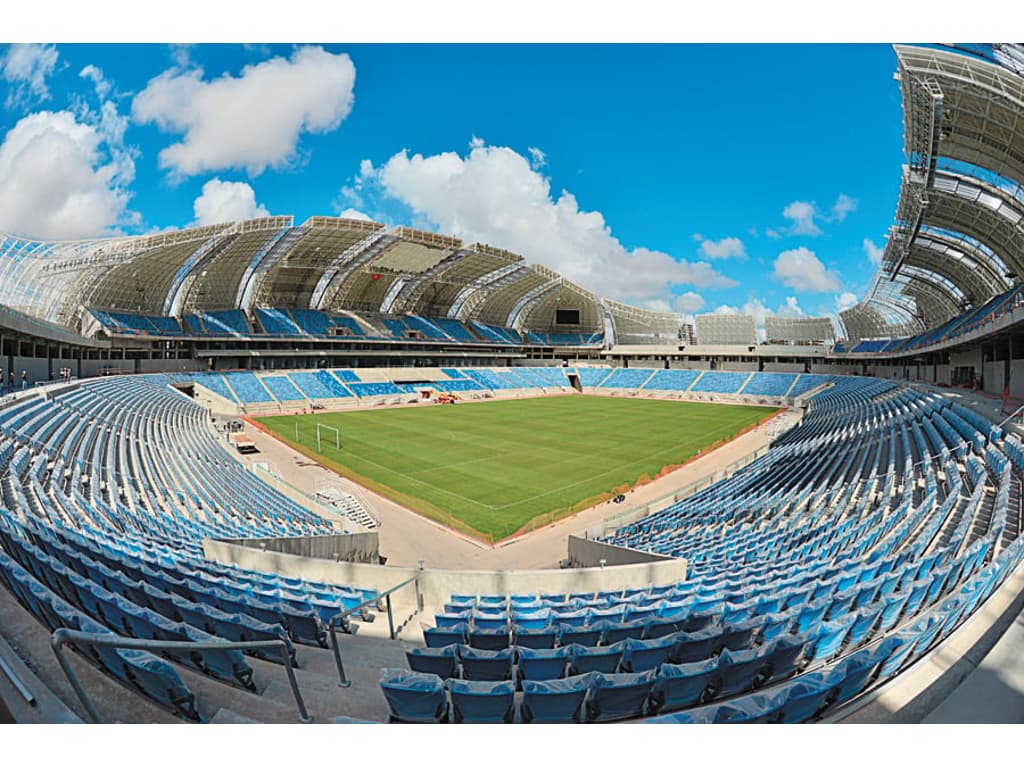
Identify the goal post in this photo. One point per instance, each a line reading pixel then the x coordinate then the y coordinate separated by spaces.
pixel 320 428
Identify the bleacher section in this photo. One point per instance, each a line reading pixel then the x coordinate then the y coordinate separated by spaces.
pixel 627 378
pixel 282 388
pixel 308 323
pixel 808 381
pixel 374 389
pixel 771 384
pixel 271 390
pixel 723 382
pixel 672 381
pixel 872 345
pixel 127 324
pixel 110 491
pixel 230 322
pixel 248 388
pixel 963 323
pixel 817 572
pixel 278 322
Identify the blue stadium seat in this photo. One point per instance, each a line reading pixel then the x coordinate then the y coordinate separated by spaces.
pixel 490 639
pixel 696 646
pixel 683 685
pixel 443 662
pixel 740 671
pixel 542 663
pixel 605 658
pixel 485 665
pixel 805 698
pixel 618 696
pixel 413 696
pixel 533 638
pixel 555 701
pixel 437 637
pixel 482 702
pixel 643 655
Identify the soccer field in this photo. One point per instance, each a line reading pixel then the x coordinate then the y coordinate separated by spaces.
pixel 493 468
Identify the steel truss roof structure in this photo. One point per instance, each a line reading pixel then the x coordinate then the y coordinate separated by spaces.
pixel 958 235
pixel 330 264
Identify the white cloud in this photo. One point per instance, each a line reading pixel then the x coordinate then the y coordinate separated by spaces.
pixel 226 201
pixel 58 180
pixel 845 300
pixel 493 195
pixel 688 302
pixel 802 215
pixel 109 123
pixel 252 121
pixel 773 234
pixel 873 252
pixel 26 66
pixel 801 270
pixel 352 213
pixel 726 248
pixel 181 54
pixel 537 158
pixel 790 309
pixel 100 83
pixel 844 205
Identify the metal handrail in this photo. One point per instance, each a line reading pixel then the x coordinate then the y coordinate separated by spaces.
pixel 1010 417
pixel 63 636
pixel 18 683
pixel 332 625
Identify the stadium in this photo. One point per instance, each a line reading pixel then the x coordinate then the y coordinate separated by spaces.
pixel 338 471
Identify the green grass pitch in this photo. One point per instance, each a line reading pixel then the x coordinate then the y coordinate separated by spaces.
pixel 493 468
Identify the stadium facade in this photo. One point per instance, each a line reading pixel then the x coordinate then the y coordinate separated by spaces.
pixel 861 541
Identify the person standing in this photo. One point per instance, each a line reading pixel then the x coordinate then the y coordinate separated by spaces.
pixel 24 380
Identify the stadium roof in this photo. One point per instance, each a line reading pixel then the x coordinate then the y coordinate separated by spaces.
pixel 958 238
pixel 325 263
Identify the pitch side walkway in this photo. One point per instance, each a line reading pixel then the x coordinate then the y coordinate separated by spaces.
pixel 406 538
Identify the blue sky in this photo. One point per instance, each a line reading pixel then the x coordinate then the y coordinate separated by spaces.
pixel 684 177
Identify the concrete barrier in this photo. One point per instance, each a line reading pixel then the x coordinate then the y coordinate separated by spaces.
pixel 350 547
pixel 436 586
pixel 587 553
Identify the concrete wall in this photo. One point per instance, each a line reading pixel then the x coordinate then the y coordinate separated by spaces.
pixel 835 369
pixel 350 547
pixel 784 367
pixel 966 358
pixel 942 374
pixel 587 553
pixel 169 366
pixel 437 586
pixel 1017 378
pixel 993 374
pixel 37 369
pixel 728 365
